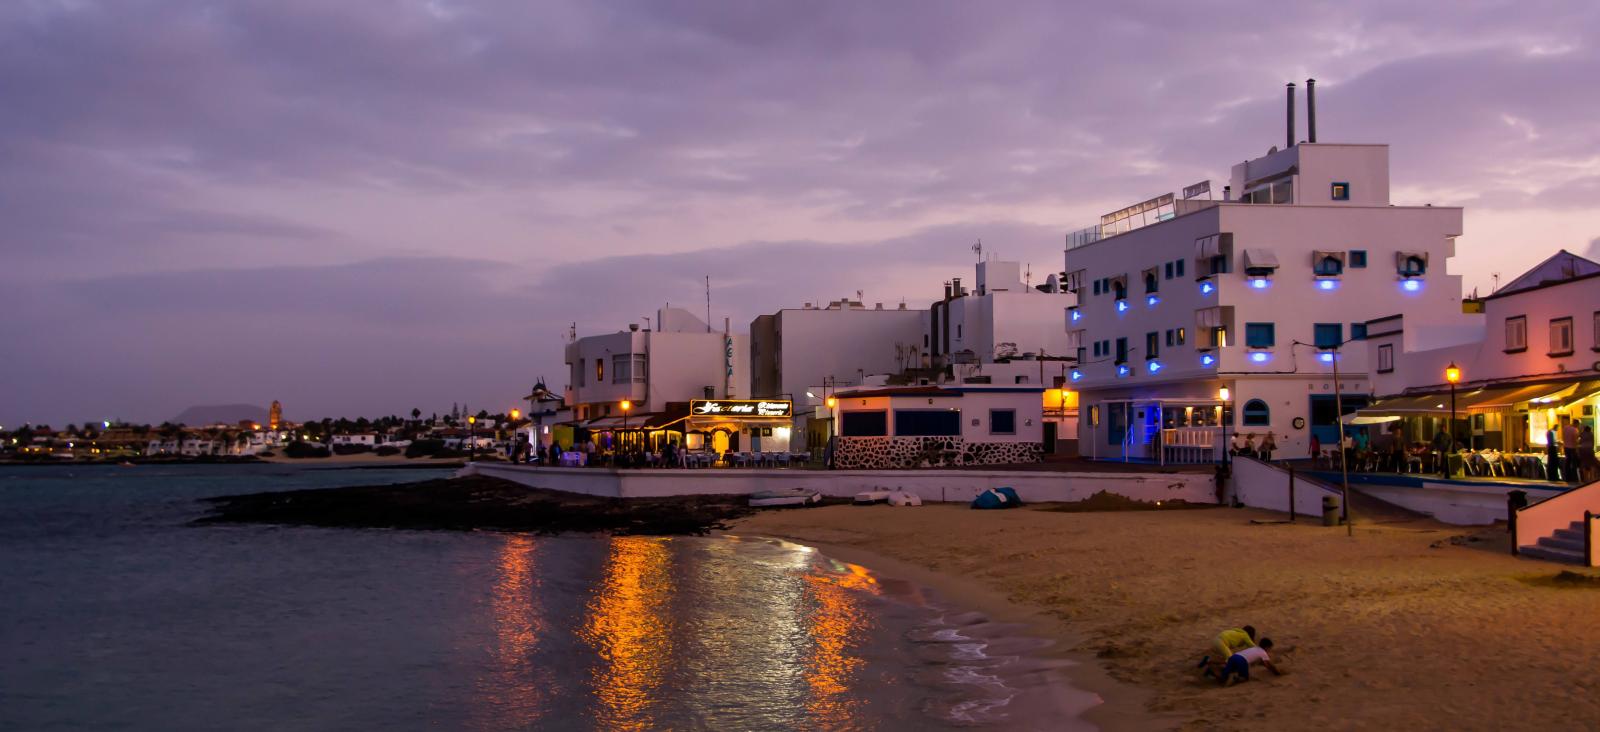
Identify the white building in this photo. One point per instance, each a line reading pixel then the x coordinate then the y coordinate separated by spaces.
pixel 1253 292
pixel 681 359
pixel 934 426
pixel 811 350
pixel 363 439
pixel 1532 362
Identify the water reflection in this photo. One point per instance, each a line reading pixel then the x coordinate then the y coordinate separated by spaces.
pixel 629 628
pixel 513 686
pixel 837 624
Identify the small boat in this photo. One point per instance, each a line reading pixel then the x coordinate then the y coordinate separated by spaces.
pixel 785 497
pixel 903 498
pixel 866 498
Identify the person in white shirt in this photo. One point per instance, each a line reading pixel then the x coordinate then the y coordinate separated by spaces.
pixel 1238 666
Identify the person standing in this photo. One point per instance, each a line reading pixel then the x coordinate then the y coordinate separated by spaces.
pixel 1552 455
pixel 1569 441
pixel 1316 450
pixel 1268 446
pixel 1441 451
pixel 1588 466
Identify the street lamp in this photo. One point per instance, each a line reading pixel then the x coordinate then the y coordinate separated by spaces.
pixel 1223 394
pixel 627 406
pixel 472 439
pixel 1452 374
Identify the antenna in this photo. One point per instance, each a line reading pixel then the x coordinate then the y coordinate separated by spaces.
pixel 1027 276
pixel 978 249
pixel 708 303
pixel 1496 277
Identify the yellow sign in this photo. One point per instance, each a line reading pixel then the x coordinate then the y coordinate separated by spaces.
pixel 711 408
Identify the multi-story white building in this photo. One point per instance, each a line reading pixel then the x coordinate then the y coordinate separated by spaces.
pixel 797 351
pixel 1255 292
pixel 1531 363
pixel 681 359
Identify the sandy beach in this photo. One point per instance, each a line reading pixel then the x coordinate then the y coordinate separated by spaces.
pixel 1410 624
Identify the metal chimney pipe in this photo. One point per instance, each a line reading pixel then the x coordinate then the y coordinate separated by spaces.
pixel 1289 136
pixel 1311 110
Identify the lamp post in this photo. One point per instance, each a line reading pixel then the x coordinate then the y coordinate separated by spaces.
pixel 472 438
pixel 1227 456
pixel 1452 374
pixel 627 405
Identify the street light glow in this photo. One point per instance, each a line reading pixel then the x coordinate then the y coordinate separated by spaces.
pixel 1452 373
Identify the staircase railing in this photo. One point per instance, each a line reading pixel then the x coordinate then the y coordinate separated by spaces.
pixel 1542 519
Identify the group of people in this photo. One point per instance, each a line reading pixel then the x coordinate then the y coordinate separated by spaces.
pixel 1569 452
pixel 1244 445
pixel 1232 654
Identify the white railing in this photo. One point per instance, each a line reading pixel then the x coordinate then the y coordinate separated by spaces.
pixel 1191 445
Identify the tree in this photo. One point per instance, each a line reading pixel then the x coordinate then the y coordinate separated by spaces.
pixel 416 413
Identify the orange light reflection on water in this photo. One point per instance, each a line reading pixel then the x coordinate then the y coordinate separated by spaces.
pixel 629 629
pixel 835 626
pixel 513 691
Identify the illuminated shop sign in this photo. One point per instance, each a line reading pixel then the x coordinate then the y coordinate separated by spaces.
pixel 741 408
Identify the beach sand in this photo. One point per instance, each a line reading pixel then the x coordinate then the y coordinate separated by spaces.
pixel 1410 624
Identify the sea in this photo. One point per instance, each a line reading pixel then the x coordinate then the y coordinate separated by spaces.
pixel 118 613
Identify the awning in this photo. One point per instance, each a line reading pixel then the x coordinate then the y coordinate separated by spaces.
pixel 1508 397
pixel 1428 405
pixel 1359 418
pixel 1207 247
pixel 1260 259
pixel 1579 392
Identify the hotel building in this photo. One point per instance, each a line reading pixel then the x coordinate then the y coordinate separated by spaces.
pixel 1258 292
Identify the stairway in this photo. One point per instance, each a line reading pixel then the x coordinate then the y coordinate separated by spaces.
pixel 1566 546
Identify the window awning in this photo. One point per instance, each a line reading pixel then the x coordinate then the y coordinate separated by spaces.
pixel 1428 405
pixel 1579 392
pixel 1207 247
pixel 1260 259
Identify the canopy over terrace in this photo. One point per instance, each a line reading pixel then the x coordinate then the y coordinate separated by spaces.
pixel 1505 416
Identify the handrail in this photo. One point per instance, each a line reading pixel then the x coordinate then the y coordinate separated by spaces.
pixel 1559 496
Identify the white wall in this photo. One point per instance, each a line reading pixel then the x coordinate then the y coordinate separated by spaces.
pixel 1259 485
pixel 843 343
pixel 930 485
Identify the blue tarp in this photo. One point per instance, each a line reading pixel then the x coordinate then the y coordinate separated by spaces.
pixel 997 498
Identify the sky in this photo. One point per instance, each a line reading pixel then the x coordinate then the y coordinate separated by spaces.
pixel 363 207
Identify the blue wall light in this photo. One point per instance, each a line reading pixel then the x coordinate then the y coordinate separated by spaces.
pixel 1077 375
pixel 1153 366
pixel 1207 288
pixel 1411 285
pixel 1077 315
pixel 1328 284
pixel 1123 370
pixel 1207 359
pixel 1122 306
pixel 1151 299
pixel 1325 357
pixel 1260 283
pixel 1260 356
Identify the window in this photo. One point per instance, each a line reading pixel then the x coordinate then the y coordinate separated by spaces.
pixel 864 424
pixel 1328 335
pixel 621 366
pixel 1358 258
pixel 1168 270
pixel 1561 337
pixel 1256 414
pixel 1327 264
pixel 1152 345
pixel 1183 335
pixel 1516 334
pixel 1358 331
pixel 1385 358
pixel 1259 335
pixel 927 422
pixel 640 368
pixel 1074 281
pixel 1178 266
pixel 1002 421
pixel 581 374
pixel 1119 287
pixel 1152 283
pixel 958 330
pixel 1122 350
pixel 1413 265
pixel 599 371
pixel 1170 337
pixel 1340 191
pixel 1097 287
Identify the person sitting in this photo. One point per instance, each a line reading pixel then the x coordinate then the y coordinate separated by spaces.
pixel 1238 665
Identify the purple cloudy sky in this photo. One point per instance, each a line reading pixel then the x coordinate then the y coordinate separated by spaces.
pixel 361 207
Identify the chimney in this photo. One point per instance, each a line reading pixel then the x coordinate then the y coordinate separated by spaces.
pixel 957 282
pixel 947 291
pixel 877 306
pixel 1311 110
pixel 633 327
pixel 1290 134
pixel 1227 193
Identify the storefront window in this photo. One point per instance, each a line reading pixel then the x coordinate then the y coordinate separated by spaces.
pixel 873 423
pixel 927 422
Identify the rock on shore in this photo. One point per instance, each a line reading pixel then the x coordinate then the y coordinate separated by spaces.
pixel 477 502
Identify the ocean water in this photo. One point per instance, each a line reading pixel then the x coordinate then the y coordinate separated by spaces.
pixel 115 613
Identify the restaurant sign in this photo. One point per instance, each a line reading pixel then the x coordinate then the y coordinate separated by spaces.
pixel 741 408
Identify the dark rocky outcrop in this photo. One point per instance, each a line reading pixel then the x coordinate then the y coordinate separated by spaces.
pixel 477 502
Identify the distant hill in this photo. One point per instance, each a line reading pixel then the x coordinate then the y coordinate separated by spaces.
pixel 221 414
